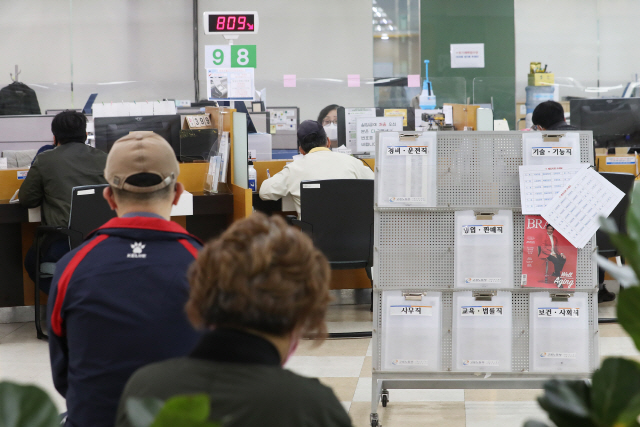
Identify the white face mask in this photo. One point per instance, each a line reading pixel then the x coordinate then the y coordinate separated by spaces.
pixel 332 131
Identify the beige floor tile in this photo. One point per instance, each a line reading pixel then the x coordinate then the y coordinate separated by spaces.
pixel 612 330
pixel 366 367
pixel 344 388
pixel 418 414
pixel 326 366
pixel 501 395
pixel 341 347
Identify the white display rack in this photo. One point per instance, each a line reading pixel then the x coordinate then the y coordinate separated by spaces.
pixel 414 253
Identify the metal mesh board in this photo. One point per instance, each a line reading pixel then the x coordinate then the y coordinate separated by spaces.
pixel 480 169
pixel 520 330
pixel 416 248
pixel 414 252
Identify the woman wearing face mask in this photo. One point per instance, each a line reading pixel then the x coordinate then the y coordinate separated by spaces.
pixel 328 117
pixel 256 290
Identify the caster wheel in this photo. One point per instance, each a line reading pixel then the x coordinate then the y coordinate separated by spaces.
pixel 385 398
pixel 374 420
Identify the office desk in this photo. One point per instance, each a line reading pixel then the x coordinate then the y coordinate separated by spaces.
pixel 211 216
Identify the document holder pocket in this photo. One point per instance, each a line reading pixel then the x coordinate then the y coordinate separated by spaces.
pixel 482 332
pixel 411 331
pixel 483 250
pixel 558 332
pixel 407 169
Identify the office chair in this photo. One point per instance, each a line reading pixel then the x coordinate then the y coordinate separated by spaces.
pixel 624 182
pixel 89 211
pixel 338 216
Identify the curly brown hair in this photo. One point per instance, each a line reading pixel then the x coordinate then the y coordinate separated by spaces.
pixel 260 274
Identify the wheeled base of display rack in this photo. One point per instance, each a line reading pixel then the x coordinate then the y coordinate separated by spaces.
pixel 382 382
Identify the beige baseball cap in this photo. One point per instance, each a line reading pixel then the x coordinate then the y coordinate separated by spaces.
pixel 141 152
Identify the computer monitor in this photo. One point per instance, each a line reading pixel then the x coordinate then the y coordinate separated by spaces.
pixel 109 129
pixel 615 122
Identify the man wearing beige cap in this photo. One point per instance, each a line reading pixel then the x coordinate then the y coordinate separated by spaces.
pixel 117 301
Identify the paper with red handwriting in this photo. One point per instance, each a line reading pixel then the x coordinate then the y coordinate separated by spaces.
pixel 538 184
pixel 575 211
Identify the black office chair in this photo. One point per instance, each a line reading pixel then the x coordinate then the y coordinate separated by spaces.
pixel 624 182
pixel 338 215
pixel 89 211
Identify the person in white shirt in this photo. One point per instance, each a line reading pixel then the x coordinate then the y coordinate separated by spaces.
pixel 319 162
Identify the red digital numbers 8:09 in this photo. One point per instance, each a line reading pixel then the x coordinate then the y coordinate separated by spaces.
pixel 231 22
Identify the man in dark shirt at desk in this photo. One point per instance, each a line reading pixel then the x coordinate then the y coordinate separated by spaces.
pixel 51 178
pixel 549 115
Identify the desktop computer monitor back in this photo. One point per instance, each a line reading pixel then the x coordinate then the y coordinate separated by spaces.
pixel 109 129
pixel 615 122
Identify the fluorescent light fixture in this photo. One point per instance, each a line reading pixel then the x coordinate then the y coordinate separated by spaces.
pixel 385 37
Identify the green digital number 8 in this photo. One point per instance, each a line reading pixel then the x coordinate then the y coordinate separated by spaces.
pixel 218 56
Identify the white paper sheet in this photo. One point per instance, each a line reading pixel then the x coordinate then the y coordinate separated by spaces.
pixel 412 332
pixel 184 206
pixel 483 251
pixel 538 184
pixel 558 333
pixel 408 170
pixel 351 116
pixel 574 212
pixel 230 83
pixel 366 128
pixel 482 343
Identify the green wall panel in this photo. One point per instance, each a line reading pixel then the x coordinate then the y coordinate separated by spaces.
pixel 473 21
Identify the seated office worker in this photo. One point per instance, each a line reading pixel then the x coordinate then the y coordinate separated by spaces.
pixel 51 178
pixel 328 117
pixel 319 162
pixel 549 115
pixel 257 290
pixel 117 301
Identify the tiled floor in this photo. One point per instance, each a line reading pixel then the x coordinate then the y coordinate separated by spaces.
pixel 345 366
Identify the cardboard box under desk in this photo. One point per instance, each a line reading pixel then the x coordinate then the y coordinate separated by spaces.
pixel 621 163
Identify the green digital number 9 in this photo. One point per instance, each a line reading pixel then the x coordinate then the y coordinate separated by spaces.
pixel 218 56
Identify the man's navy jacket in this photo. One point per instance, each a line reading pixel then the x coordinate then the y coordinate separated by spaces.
pixel 117 304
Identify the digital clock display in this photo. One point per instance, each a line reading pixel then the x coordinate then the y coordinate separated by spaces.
pixel 231 23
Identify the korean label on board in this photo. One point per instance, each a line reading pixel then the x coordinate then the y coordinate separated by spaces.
pixel 485 230
pixel 410 310
pixel 551 151
pixel 421 150
pixel 558 312
pixel 480 310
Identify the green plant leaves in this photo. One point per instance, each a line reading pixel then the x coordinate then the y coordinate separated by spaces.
pixel 184 411
pixel 567 403
pixel 142 412
pixel 26 406
pixel 629 313
pixel 616 386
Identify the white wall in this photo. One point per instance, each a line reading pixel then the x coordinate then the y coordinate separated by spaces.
pixel 146 43
pixel 321 42
pixel 562 34
pixel 583 42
